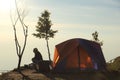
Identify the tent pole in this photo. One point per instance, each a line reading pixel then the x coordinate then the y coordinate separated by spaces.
pixel 79 58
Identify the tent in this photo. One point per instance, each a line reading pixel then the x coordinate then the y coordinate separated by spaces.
pixel 78 54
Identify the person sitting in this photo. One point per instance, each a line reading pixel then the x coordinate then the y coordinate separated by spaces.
pixel 37 59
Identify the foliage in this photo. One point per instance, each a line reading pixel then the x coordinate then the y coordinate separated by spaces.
pixel 114 64
pixel 43 26
pixel 95 38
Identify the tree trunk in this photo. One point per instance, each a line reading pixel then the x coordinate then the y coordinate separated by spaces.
pixel 19 62
pixel 48 50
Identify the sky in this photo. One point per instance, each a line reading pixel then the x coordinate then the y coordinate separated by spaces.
pixel 72 19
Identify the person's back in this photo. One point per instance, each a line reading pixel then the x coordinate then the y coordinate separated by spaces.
pixel 38 57
pixel 39 64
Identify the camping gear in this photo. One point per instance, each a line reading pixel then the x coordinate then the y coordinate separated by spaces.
pixel 78 54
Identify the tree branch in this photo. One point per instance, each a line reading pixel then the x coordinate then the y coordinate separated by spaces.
pixel 19 17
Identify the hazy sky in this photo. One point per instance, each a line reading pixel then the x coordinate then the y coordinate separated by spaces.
pixel 72 19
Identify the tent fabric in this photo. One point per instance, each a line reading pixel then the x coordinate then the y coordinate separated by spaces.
pixel 78 54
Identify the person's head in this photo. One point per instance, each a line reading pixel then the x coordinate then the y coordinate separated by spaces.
pixel 35 49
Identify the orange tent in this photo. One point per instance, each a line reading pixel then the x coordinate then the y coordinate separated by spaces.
pixel 78 54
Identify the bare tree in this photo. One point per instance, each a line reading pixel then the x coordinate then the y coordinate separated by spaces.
pixel 19 47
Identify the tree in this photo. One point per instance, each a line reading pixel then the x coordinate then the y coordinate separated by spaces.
pixel 95 38
pixel 20 19
pixel 44 30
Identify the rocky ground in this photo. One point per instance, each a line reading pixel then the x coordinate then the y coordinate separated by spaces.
pixel 112 73
pixel 33 75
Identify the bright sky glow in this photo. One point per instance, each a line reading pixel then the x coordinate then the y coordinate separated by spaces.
pixel 5 5
pixel 72 19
